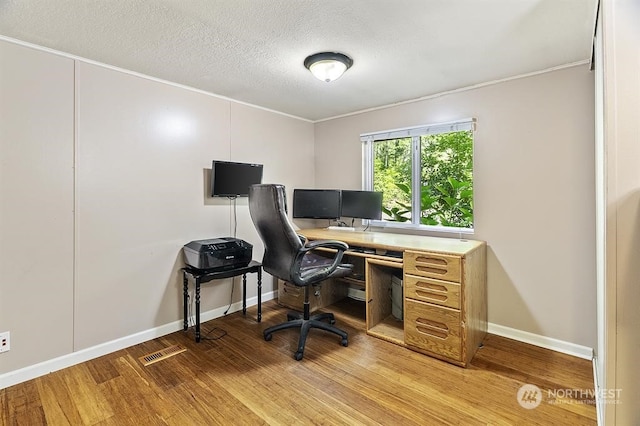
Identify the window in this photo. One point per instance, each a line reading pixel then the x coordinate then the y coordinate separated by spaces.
pixel 425 174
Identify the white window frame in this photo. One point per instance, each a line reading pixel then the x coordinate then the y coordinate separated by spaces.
pixel 368 139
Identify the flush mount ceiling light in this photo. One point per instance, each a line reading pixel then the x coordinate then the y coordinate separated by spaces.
pixel 328 66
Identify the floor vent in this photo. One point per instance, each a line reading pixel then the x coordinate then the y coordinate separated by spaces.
pixel 160 355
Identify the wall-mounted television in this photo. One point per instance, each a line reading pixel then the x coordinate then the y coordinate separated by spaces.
pixel 362 204
pixel 316 203
pixel 230 179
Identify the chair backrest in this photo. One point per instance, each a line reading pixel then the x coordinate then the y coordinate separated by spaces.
pixel 267 205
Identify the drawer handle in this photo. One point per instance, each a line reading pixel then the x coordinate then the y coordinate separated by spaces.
pixel 431 260
pixel 431 286
pixel 432 296
pixel 292 290
pixel 432 328
pixel 431 291
pixel 431 269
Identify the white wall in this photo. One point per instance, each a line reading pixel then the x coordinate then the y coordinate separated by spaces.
pixel 36 204
pixel 94 256
pixel 534 191
pixel 142 148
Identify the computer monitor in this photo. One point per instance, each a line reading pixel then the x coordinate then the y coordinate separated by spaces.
pixel 229 179
pixel 316 203
pixel 362 204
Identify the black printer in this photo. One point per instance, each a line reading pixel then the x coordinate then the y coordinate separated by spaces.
pixel 218 253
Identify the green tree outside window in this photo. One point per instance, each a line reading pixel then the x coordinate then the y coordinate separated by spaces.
pixel 446 178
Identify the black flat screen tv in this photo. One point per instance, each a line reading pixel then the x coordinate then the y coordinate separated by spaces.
pixel 362 204
pixel 229 179
pixel 316 203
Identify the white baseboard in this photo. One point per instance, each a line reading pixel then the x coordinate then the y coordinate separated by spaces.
pixel 573 349
pixel 33 371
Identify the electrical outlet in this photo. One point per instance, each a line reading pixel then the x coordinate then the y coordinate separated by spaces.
pixel 5 341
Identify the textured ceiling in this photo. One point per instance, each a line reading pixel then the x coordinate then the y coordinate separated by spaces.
pixel 253 50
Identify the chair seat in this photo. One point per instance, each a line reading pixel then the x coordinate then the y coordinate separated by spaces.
pixel 312 262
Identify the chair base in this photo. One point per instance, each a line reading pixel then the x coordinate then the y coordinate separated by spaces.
pixel 298 320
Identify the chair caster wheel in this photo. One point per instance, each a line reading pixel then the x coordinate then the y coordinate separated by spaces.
pixel 298 355
pixel 268 337
pixel 344 342
pixel 290 317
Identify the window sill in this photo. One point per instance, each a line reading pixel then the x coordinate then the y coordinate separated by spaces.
pixel 444 231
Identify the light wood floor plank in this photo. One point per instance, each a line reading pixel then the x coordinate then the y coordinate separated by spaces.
pixel 240 379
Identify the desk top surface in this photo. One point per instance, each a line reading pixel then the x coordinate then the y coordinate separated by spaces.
pixel 391 241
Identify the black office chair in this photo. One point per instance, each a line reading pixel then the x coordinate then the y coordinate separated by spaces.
pixel 288 256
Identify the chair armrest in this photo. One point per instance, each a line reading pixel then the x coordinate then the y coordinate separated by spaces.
pixel 337 245
pixel 321 273
pixel 303 239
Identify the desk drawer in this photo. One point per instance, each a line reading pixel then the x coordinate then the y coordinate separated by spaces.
pixel 433 291
pixel 292 296
pixel 433 328
pixel 441 266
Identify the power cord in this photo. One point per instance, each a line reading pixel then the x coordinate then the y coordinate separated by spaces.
pixel 231 298
pixel 204 334
pixel 235 215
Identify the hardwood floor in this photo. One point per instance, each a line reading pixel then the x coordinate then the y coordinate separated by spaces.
pixel 239 379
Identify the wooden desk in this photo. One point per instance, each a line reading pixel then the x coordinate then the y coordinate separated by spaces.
pixel 444 284
pixel 201 276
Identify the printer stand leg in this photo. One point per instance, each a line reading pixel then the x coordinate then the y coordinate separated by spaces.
pixel 244 294
pixel 185 300
pixel 197 310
